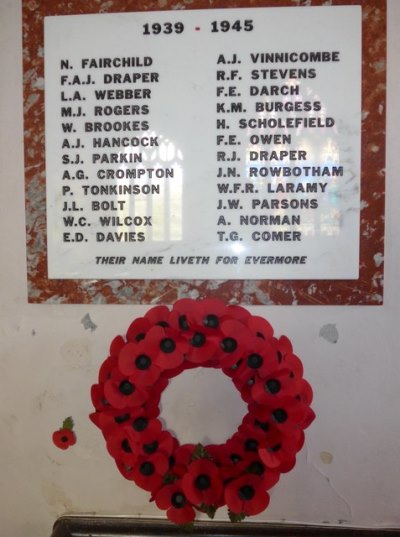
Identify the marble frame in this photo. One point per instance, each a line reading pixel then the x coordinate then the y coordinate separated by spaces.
pixel 366 290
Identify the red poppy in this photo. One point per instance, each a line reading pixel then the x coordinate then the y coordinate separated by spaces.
pixel 151 442
pixel 121 446
pixel 279 451
pixel 231 370
pixel 202 347
pixel 159 316
pixel 260 327
pixel 258 361
pixel 125 469
pixel 209 313
pixel 244 388
pixel 283 347
pixel 233 343
pixel 149 470
pixel 116 345
pixel 238 313
pixel 249 439
pixel 107 367
pixel 288 414
pixel 305 392
pixel 110 419
pixel 231 459
pixel 246 495
pixel 138 329
pixel 143 427
pixel 173 499
pixel 122 392
pixel 182 315
pixel 255 466
pixel 248 430
pixel 98 398
pixel 135 361
pixel 293 363
pixel 180 459
pixel 277 384
pixel 166 346
pixel 258 418
pixel 202 483
pixel 64 438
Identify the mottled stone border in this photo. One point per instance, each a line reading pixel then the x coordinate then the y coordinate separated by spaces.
pixel 368 289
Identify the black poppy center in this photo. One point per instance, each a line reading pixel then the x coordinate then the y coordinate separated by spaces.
pixel 273 386
pixel 256 468
pixel 143 362
pixel 122 418
pixel 167 345
pixel 126 387
pixel 235 458
pixel 229 344
pixel 140 336
pixel 279 356
pixel 147 468
pixel 264 425
pixel 164 324
pixel 151 447
pixel 198 339
pixel 280 415
pixel 275 448
pixel 140 424
pixel 251 444
pixel 246 492
pixel 126 447
pixel 64 439
pixel 183 322
pixel 254 361
pixel 178 500
pixel 202 482
pixel 211 321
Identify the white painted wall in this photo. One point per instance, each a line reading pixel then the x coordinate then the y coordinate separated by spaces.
pixel 48 362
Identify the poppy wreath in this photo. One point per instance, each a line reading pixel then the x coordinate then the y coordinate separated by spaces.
pixel 183 479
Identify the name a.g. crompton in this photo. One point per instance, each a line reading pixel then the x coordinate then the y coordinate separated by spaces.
pixel 135 173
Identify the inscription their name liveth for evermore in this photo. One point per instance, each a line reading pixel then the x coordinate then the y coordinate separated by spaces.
pixel 205 144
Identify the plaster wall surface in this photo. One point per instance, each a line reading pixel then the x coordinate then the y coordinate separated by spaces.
pixel 347 473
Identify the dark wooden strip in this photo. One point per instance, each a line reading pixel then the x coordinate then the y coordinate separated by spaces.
pixel 83 526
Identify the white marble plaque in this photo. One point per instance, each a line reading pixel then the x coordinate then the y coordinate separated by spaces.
pixel 207 144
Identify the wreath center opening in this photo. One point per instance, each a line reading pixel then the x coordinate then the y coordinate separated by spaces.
pixel 202 405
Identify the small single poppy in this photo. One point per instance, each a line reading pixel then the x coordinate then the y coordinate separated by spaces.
pixel 64 438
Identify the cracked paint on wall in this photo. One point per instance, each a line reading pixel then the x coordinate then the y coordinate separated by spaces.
pixel 88 324
pixel 330 333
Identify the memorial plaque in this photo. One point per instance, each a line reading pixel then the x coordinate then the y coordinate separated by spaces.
pixel 204 144
pixel 213 148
